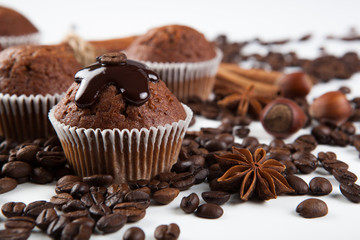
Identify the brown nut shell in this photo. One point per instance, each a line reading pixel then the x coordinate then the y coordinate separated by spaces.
pixel 331 107
pixel 282 117
pixel 294 85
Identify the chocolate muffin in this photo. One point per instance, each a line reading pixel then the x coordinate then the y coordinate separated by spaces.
pixel 183 58
pixel 172 43
pixel 37 69
pixel 119 118
pixel 16 29
pixel 32 80
pixel 14 23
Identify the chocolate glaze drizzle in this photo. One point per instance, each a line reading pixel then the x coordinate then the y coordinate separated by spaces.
pixel 130 78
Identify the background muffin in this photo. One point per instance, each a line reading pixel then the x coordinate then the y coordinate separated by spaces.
pixel 111 132
pixel 15 29
pixel 182 56
pixel 32 79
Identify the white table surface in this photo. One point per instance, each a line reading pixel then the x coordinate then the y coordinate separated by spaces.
pixel 241 20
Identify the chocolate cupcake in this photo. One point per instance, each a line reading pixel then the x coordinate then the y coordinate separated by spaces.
pixel 32 79
pixel 183 58
pixel 119 118
pixel 15 29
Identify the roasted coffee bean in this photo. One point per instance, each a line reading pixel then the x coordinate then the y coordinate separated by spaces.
pixel 73 205
pixel 216 197
pixel 213 145
pixel 298 184
pixel 111 222
pixel 56 226
pixel 200 173
pixel 320 186
pixel 76 214
pixel 113 199
pixel 62 171
pixel 20 222
pixel 242 132
pixel 52 141
pixel 12 209
pixel 33 209
pixel 305 165
pixel 326 156
pixel 97 211
pixel 250 141
pixel 348 128
pixel 27 153
pixel 87 200
pixel 166 196
pixel 183 181
pixel 225 137
pixel 23 179
pixel 79 189
pixel 277 143
pixel 330 165
pixel 60 199
pixel 344 176
pixel 156 185
pixel 209 210
pixel 312 208
pixel 41 175
pixel 14 234
pixel 45 218
pixel 16 169
pixel 99 180
pixel 190 203
pixel 96 196
pixel 50 159
pixel 137 196
pixel 307 142
pixel 280 154
pixel 76 231
pixel 134 233
pixel 322 134
pixel 167 232
pixel 351 191
pixel 68 179
pixel 85 221
pixel 198 160
pixel 165 176
pixel 123 188
pixel 340 138
pixel 182 166
pixel 290 167
pixel 132 210
pixel 64 187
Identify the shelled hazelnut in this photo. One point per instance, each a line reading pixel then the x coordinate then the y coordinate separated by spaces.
pixel 294 85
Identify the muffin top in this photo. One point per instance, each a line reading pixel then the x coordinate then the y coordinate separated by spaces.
pixel 172 43
pixel 121 94
pixel 37 69
pixel 14 23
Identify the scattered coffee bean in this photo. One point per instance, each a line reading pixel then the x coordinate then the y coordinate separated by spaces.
pixel 99 180
pixel 183 181
pixel 15 234
pixel 27 153
pixel 190 203
pixel 20 222
pixel 41 175
pixel 50 159
pixel 351 191
pixel 133 211
pixel 111 223
pixel 209 210
pixel 97 211
pixel 344 176
pixel 76 214
pixel 312 208
pixel 33 209
pixel 166 195
pixel 137 196
pixel 73 205
pixel 60 199
pixel 134 233
pixel 79 189
pixel 16 169
pixel 74 230
pixel 298 184
pixel 216 197
pixel 56 226
pixel 167 232
pixel 320 186
pixel 45 218
pixel 12 209
pixel 85 221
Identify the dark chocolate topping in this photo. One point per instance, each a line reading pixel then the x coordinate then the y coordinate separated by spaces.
pixel 130 78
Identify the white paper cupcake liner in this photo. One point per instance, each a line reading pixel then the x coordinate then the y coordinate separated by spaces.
pixel 26 117
pixel 186 80
pixel 7 41
pixel 125 154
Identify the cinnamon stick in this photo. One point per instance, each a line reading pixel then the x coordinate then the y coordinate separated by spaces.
pixel 260 75
pixel 235 82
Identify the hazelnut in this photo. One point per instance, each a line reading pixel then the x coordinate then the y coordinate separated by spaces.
pixel 331 108
pixel 282 117
pixel 294 85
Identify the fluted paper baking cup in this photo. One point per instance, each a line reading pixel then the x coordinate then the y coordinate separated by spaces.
pixel 7 41
pixel 26 117
pixel 186 80
pixel 125 154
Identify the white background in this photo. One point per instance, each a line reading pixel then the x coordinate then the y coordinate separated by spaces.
pixel 241 20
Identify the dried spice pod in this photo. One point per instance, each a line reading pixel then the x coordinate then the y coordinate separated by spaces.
pixel 331 108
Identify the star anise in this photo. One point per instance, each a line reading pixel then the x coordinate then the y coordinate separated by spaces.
pixel 245 102
pixel 254 175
